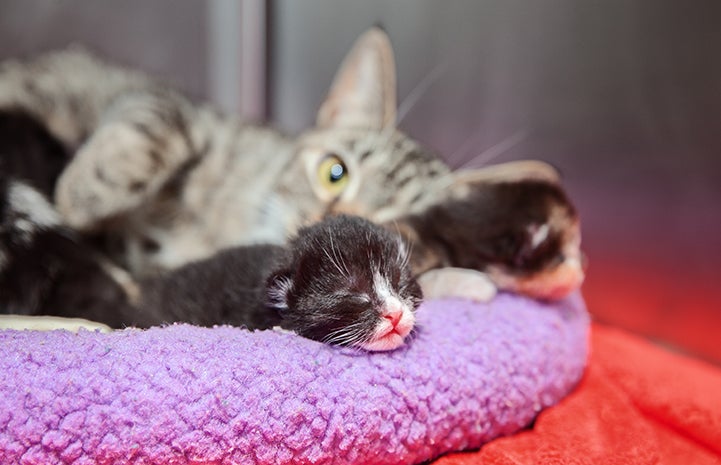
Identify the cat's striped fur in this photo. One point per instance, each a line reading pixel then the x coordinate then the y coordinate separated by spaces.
pixel 177 181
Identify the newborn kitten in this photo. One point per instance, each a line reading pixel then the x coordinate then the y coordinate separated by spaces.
pixel 515 226
pixel 342 281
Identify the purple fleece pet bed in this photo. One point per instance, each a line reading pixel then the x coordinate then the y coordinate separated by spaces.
pixel 183 394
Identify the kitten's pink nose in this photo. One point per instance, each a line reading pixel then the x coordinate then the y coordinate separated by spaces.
pixel 393 314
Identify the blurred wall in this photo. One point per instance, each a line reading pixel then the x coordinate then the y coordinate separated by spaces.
pixel 624 96
pixel 165 37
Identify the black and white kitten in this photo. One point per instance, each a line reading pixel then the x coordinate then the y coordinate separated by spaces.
pixel 343 281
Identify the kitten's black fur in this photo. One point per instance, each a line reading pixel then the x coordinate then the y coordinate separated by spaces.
pixel 28 151
pixel 318 285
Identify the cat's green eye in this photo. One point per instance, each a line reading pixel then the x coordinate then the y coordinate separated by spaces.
pixel 333 174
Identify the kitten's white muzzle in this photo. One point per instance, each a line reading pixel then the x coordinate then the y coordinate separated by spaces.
pixel 396 322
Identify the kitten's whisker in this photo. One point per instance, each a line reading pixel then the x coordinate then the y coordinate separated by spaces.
pixel 405 248
pixel 409 253
pixel 345 329
pixel 333 262
pixel 371 261
pixel 497 150
pixel 407 258
pixel 415 95
pixel 339 256
pixel 400 258
pixel 349 339
pixel 344 335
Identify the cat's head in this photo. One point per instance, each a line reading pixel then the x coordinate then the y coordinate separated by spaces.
pixel 348 282
pixel 355 160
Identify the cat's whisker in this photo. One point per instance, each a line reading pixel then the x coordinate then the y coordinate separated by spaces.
pixel 344 336
pixel 358 339
pixel 497 150
pixel 371 260
pixel 415 95
pixel 333 262
pixel 405 249
pixel 407 257
pixel 400 257
pixel 347 336
pixel 409 253
pixel 464 148
pixel 338 256
pixel 382 139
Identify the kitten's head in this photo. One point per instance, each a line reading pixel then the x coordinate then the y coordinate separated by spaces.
pixel 348 283
pixel 355 160
pixel 513 221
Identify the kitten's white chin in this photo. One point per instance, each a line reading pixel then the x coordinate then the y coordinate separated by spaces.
pixel 390 341
pixel 389 337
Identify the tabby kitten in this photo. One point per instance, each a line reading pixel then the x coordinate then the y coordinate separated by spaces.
pixel 162 182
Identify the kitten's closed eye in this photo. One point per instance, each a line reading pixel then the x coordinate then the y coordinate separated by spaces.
pixel 355 298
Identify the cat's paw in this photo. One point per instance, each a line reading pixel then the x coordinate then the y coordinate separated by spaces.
pixel 115 171
pixel 49 323
pixel 457 282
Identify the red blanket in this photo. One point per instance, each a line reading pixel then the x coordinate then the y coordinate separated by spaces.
pixel 637 404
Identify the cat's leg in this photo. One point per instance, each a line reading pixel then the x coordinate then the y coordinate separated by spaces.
pixel 457 282
pixel 141 142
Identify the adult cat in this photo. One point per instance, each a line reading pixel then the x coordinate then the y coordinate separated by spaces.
pixel 162 182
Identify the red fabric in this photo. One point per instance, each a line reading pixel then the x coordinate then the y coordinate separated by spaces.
pixel 652 297
pixel 637 404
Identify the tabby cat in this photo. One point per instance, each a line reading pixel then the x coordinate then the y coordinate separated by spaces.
pixel 157 181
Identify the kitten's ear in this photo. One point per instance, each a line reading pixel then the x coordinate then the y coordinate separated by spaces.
pixel 277 288
pixel 363 93
pixel 525 170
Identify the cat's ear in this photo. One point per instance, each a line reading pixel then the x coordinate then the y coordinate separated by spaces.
pixel 277 288
pixel 363 93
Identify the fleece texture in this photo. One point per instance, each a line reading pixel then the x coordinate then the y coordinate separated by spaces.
pixel 637 404
pixel 188 395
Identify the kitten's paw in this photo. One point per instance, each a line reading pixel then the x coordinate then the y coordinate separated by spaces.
pixel 49 323
pixel 115 171
pixel 457 282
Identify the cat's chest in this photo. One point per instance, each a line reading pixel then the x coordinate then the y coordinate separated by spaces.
pixel 229 197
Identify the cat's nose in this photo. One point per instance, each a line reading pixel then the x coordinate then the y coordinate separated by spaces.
pixel 393 313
